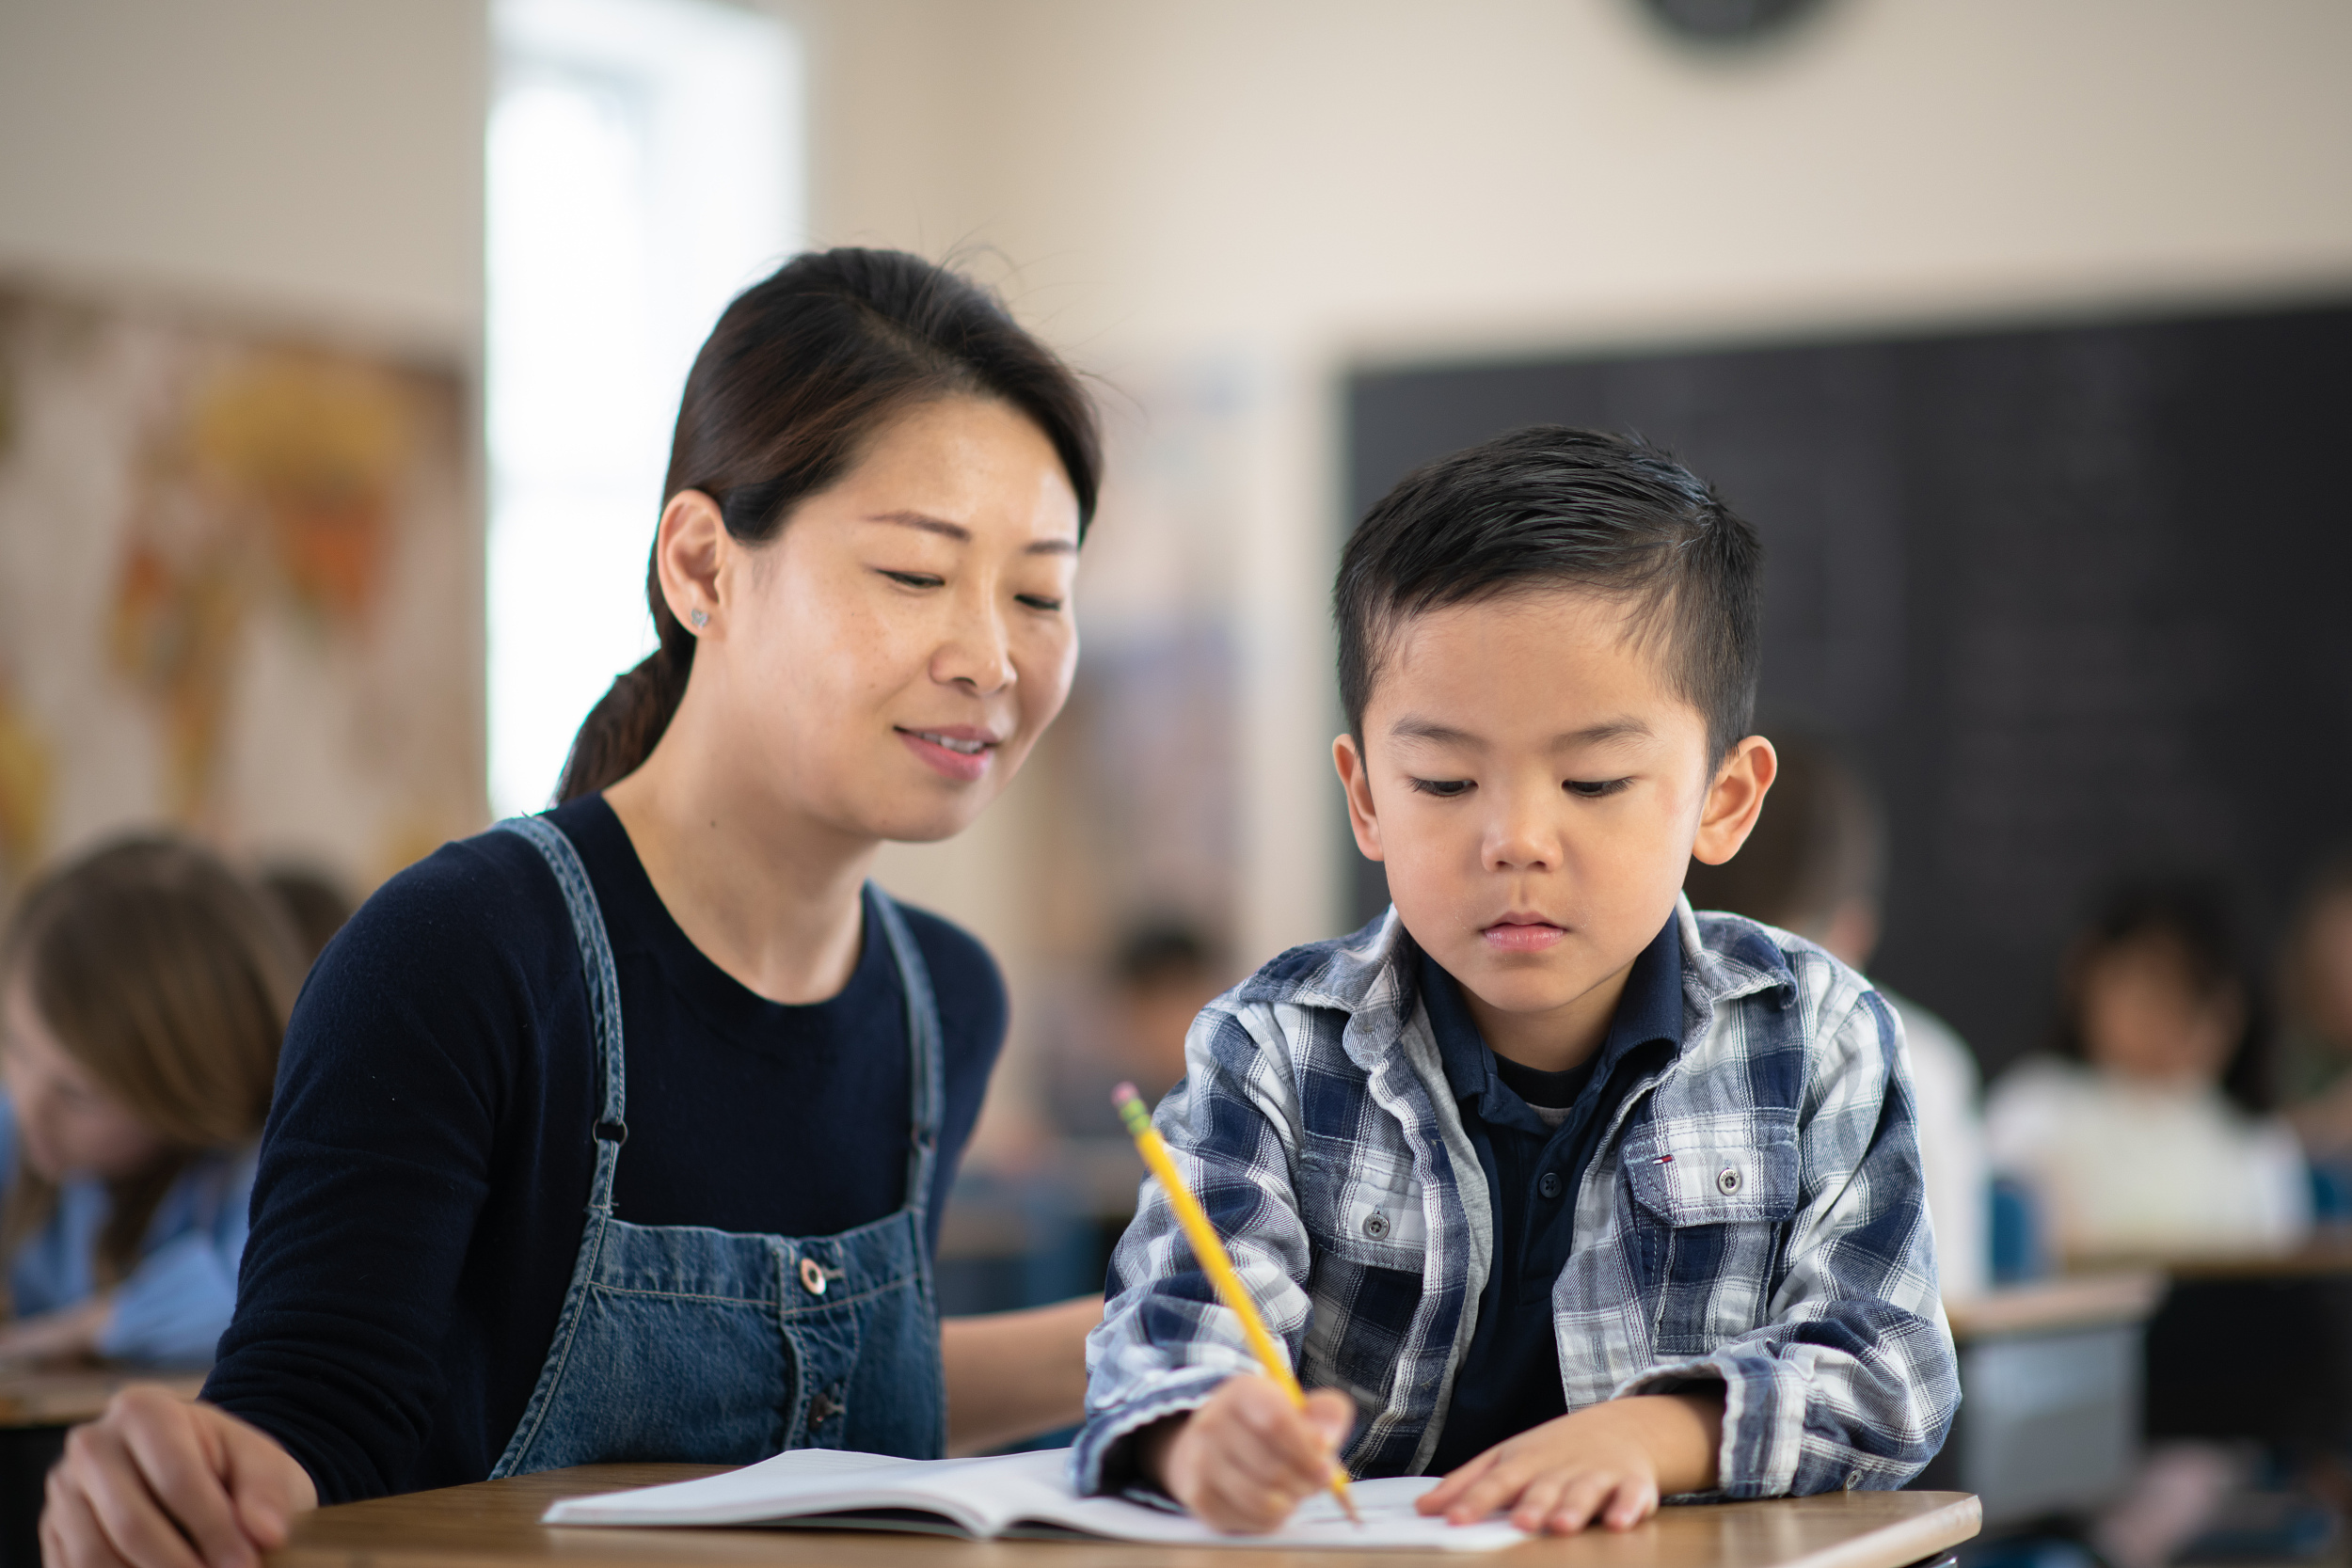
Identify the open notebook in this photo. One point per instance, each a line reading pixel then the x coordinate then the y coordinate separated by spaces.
pixel 1019 1494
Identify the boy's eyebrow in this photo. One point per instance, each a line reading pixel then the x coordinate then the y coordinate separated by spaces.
pixel 962 535
pixel 1429 729
pixel 1627 728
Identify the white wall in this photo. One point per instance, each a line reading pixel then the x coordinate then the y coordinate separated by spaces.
pixel 1288 186
pixel 313 159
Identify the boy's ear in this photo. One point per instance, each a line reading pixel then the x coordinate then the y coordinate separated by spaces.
pixel 1735 799
pixel 1355 782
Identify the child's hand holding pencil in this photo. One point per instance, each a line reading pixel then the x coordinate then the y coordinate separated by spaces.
pixel 1260 1445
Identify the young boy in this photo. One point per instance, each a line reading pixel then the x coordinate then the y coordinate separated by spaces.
pixel 1576 1197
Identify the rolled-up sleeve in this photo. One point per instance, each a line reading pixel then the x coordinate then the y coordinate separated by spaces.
pixel 1851 1381
pixel 1165 1342
pixel 174 1307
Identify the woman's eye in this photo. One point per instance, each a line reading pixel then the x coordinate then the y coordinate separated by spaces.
pixel 914 579
pixel 1038 601
pixel 1444 790
pixel 1593 789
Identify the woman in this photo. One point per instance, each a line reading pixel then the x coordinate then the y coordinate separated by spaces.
pixel 674 1001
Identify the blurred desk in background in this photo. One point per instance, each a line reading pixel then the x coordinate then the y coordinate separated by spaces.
pixel 2256 1348
pixel 2050 1384
pixel 498 1521
pixel 1009 1241
pixel 36 1408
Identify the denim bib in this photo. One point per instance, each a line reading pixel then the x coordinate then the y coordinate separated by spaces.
pixel 682 1342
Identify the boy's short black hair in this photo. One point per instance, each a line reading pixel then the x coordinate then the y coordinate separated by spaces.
pixel 1553 506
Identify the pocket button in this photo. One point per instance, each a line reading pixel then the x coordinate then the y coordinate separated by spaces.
pixel 1728 1180
pixel 1375 1224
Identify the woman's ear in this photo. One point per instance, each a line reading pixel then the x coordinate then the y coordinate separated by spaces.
pixel 690 552
pixel 1735 799
pixel 1355 781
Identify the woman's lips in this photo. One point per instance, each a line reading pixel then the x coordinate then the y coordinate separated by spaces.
pixel 1514 936
pixel 958 752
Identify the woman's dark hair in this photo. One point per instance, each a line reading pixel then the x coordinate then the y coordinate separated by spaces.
pixel 1550 506
pixel 803 369
pixel 2192 913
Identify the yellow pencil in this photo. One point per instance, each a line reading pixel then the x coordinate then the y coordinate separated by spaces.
pixel 1208 1248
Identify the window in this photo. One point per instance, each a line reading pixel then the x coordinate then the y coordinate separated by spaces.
pixel 645 163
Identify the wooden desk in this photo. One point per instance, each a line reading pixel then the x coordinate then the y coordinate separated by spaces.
pixel 64 1398
pixel 495 1522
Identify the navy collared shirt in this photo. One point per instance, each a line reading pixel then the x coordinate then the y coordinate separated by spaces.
pixel 1510 1380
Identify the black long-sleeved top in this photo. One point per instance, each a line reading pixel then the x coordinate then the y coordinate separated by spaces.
pixel 424 1173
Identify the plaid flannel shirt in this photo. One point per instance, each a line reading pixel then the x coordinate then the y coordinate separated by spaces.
pixel 1752 1219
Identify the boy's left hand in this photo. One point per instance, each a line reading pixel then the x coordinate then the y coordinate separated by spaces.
pixel 1607 1464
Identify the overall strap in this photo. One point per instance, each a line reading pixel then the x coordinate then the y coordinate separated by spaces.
pixel 923 1051
pixel 604 993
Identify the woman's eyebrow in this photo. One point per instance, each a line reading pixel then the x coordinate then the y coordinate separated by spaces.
pixel 925 521
pixel 962 535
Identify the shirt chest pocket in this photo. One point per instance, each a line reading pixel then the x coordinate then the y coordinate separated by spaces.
pixel 1363 1204
pixel 1712 1205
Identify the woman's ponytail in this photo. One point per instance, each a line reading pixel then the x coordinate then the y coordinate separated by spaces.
pixel 622 730
pixel 801 370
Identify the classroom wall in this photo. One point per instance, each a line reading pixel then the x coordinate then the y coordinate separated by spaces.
pixel 310 158
pixel 209 178
pixel 1274 191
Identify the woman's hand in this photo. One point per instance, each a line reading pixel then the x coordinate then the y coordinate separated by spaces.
pixel 1606 1463
pixel 68 1334
pixel 1245 1459
pixel 159 1481
pixel 1015 1375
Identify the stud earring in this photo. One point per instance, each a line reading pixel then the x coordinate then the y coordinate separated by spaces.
pixel 700 617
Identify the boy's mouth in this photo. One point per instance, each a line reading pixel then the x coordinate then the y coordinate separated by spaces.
pixel 1521 933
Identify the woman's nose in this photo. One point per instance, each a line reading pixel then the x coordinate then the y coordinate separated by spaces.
pixel 979 656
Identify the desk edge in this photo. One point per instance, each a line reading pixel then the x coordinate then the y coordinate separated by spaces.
pixel 1905 1541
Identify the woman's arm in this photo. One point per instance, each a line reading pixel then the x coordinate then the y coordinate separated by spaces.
pixel 1014 1374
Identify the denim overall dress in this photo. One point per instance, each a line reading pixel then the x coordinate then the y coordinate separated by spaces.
pixel 682 1342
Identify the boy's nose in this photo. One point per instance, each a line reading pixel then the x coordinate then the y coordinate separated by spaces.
pixel 1521 841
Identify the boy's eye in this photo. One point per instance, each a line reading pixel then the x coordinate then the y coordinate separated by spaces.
pixel 1444 790
pixel 1593 789
pixel 913 579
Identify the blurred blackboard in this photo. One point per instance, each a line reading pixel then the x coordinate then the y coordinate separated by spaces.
pixel 2078 599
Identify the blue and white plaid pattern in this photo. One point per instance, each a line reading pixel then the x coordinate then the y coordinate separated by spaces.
pixel 1754 1218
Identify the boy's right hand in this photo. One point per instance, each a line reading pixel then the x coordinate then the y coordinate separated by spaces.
pixel 160 1482
pixel 1244 1460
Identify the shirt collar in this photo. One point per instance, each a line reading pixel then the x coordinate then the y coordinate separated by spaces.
pixel 1650 1009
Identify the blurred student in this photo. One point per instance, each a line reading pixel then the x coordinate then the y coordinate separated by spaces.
pixel 1163 973
pixel 314 904
pixel 2316 997
pixel 2146 1132
pixel 1816 866
pixel 144 991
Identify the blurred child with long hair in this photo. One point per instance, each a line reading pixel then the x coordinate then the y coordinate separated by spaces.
pixel 143 993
